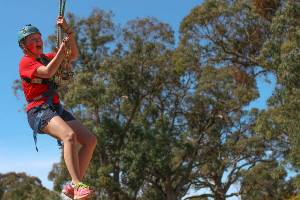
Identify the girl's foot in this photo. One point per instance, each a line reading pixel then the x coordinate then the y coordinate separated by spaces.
pixel 68 190
pixel 82 191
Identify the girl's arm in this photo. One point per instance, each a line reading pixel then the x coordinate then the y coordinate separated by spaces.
pixel 50 70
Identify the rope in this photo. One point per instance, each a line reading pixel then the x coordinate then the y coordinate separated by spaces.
pixel 61 12
pixel 63 75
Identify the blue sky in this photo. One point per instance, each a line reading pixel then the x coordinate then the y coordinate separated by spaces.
pixel 16 143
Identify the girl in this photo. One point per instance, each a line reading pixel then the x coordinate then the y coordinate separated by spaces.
pixel 44 112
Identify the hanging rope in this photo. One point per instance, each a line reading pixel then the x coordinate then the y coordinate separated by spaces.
pixel 64 73
pixel 61 12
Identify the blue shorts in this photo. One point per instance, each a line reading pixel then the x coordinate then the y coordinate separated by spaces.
pixel 49 113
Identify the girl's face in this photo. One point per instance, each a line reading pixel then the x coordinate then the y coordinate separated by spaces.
pixel 34 43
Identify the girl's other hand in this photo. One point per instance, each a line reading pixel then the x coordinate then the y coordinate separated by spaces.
pixel 60 21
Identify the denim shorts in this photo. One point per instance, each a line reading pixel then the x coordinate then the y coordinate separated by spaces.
pixel 49 113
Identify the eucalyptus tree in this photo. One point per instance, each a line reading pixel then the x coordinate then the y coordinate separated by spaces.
pixel 228 36
pixel 280 53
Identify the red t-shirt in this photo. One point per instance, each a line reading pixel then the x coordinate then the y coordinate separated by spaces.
pixel 27 68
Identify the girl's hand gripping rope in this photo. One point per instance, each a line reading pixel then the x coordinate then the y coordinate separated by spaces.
pixel 61 22
pixel 63 47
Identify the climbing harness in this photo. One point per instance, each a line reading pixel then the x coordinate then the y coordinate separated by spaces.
pixel 49 94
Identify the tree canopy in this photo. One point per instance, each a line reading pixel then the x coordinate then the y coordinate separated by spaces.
pixel 20 186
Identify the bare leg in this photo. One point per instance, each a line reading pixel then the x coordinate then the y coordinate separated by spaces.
pixel 58 128
pixel 88 142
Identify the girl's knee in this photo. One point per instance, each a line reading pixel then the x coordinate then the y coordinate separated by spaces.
pixel 70 137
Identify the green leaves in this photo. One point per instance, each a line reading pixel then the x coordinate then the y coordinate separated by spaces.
pixel 266 180
pixel 20 186
pixel 281 51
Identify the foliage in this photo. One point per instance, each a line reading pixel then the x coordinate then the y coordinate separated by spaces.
pixel 266 181
pixel 20 186
pixel 280 122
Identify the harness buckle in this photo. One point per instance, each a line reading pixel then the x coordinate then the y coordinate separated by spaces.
pixel 44 106
pixel 37 80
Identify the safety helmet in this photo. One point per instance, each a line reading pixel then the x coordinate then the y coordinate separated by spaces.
pixel 27 30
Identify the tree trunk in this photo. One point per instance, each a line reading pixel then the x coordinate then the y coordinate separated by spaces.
pixel 171 195
pixel 220 195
